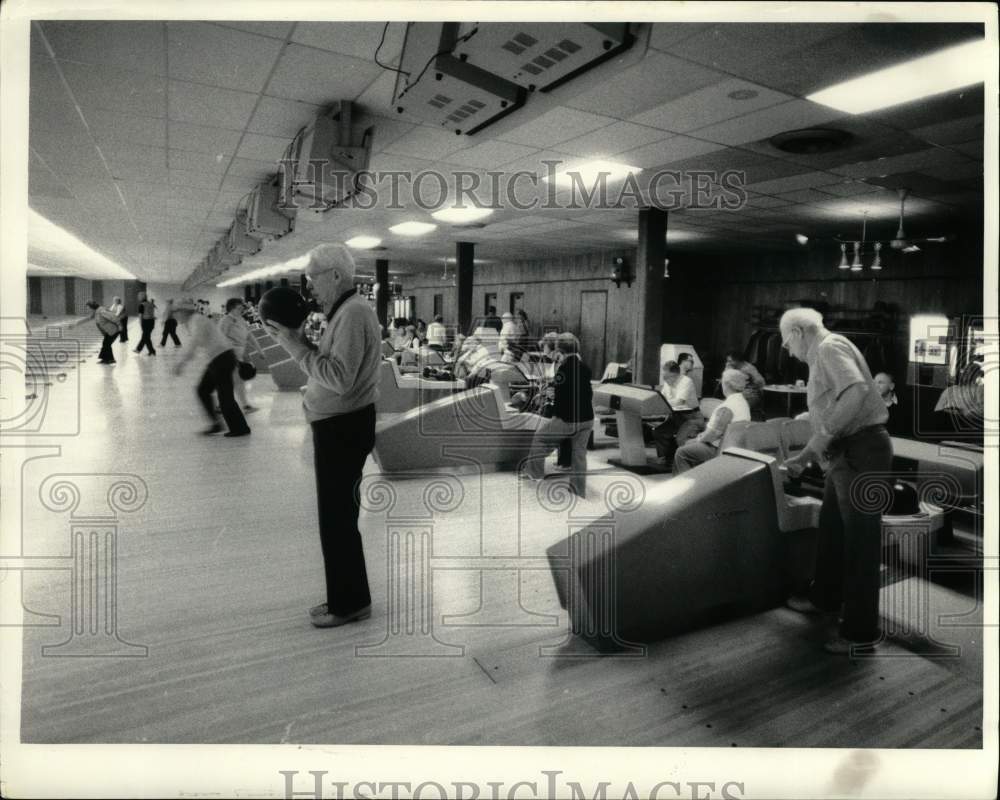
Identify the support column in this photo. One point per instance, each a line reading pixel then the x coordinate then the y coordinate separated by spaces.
pixel 649 294
pixel 382 299
pixel 464 254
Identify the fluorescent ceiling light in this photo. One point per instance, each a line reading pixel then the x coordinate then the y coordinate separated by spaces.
pixel 458 216
pixel 293 264
pixel 412 228
pixel 59 252
pixel 952 68
pixel 363 242
pixel 589 173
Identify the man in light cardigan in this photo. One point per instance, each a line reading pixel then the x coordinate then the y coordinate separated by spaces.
pixel 339 404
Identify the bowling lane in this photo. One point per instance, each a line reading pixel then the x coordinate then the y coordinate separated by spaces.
pixel 216 570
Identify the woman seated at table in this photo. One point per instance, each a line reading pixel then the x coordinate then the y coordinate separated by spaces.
pixel 685 420
pixel 734 408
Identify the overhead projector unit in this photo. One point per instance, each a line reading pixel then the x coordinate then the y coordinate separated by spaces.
pixel 260 214
pixel 238 241
pixel 320 168
pixel 445 89
pixel 540 55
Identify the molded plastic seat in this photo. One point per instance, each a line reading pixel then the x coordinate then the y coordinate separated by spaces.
pixel 470 428
pixel 398 392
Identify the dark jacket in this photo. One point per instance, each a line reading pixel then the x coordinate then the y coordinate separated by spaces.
pixel 574 397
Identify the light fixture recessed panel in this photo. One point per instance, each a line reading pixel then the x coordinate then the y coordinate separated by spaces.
pixel 412 228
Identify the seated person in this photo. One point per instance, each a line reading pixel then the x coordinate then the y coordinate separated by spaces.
pixel 887 391
pixel 754 393
pixel 679 392
pixel 734 408
pixel 686 363
pixel 437 334
pixel 456 348
pixel 388 351
pixel 473 355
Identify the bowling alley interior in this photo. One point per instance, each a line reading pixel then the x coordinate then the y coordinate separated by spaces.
pixel 644 199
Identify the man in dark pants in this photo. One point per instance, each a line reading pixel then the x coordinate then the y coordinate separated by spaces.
pixel 339 403
pixel 851 443
pixel 147 321
pixel 218 376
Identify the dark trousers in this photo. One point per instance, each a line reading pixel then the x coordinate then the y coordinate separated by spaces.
pixel 170 329
pixel 341 445
pixel 848 556
pixel 123 333
pixel 218 378
pixel 147 326
pixel 106 354
pixel 665 434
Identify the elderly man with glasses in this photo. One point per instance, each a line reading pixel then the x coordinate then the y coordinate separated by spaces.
pixel 850 442
pixel 339 403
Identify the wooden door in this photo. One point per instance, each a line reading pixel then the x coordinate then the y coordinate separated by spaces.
pixel 593 329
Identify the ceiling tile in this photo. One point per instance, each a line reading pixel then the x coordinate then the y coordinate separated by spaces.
pixel 218 56
pixel 858 50
pixel 209 105
pixel 790 183
pixel 251 168
pixel 951 131
pixel 611 140
pixel 490 155
pixel 127 46
pixel 768 122
pixel 803 196
pixel 668 151
pixel 732 47
pixel 107 126
pixel 316 76
pixel 971 149
pixel 966 102
pixel 262 148
pixel 282 118
pixel 908 162
pixel 202 162
pixel 200 180
pixel 554 126
pixel 652 82
pixel 277 30
pixel 358 39
pixel 665 35
pixel 848 188
pixel 202 139
pixel 710 105
pixel 427 142
pixel 100 87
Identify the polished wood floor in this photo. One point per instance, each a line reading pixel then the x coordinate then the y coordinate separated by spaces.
pixel 216 571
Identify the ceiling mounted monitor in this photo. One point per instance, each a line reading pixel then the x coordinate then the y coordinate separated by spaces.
pixel 238 241
pixel 262 216
pixel 320 168
pixel 446 90
pixel 540 55
pixel 221 255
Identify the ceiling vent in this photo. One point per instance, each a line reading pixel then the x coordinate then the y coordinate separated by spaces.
pixel 811 141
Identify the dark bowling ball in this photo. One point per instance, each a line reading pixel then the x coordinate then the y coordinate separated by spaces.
pixel 283 305
pixel 904 500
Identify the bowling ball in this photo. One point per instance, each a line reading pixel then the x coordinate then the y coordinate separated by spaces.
pixel 904 500
pixel 283 305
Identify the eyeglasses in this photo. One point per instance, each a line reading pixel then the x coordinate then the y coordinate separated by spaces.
pixel 311 278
